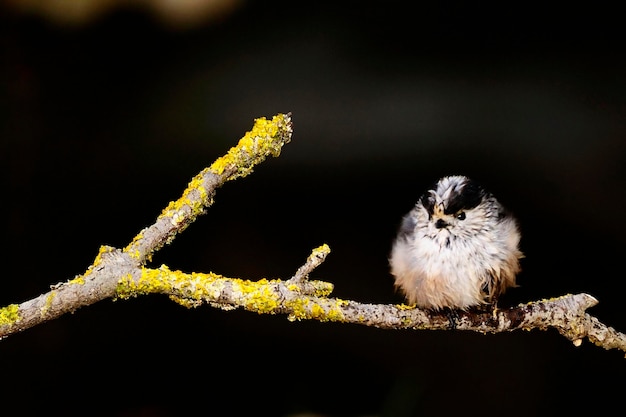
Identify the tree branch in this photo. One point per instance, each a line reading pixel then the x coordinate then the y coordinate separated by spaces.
pixel 122 273
pixel 111 265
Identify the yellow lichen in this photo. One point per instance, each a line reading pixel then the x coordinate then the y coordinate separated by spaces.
pixel 190 290
pixel 335 313
pixel 78 280
pixel 298 309
pixel 188 287
pixel 405 321
pixel 256 295
pixel 192 203
pixel 132 248
pixel 9 315
pixel 265 138
pixel 324 310
pixel 185 302
pixel 133 243
pixel 176 209
pixel 101 252
pixel 322 288
pixel 262 296
pixel 317 311
pixel 261 141
pixel 320 251
pixel 126 287
pixel 49 299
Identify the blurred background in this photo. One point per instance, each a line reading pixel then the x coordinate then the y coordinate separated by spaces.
pixel 108 109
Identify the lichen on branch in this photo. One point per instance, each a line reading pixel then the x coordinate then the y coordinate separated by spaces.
pixel 123 274
pixel 100 280
pixel 266 138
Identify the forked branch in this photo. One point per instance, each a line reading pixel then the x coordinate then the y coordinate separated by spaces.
pixel 123 273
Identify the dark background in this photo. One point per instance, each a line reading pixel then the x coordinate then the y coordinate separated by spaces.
pixel 103 122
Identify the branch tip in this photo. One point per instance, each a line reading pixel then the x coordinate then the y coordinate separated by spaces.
pixel 589 300
pixel 266 138
pixel 315 259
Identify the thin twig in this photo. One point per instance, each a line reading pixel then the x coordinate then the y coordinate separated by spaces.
pixel 313 261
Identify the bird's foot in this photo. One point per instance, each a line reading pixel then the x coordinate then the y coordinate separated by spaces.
pixel 453 317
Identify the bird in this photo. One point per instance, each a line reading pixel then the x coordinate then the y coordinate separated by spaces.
pixel 458 248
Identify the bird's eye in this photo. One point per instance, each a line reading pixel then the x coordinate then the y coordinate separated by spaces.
pixel 461 216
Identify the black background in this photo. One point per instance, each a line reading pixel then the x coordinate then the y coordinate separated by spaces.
pixel 103 124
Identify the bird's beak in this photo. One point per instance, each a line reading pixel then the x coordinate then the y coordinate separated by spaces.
pixel 438 209
pixel 439 215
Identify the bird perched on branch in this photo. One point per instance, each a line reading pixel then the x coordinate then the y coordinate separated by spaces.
pixel 457 248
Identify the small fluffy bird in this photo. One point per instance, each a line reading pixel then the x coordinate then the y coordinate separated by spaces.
pixel 457 248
